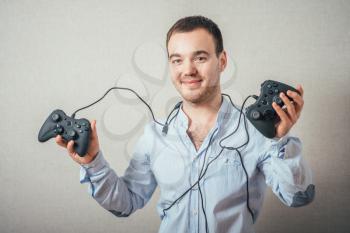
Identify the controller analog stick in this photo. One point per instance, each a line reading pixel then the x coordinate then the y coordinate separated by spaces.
pixel 55 117
pixel 256 115
pixel 277 100
pixel 72 134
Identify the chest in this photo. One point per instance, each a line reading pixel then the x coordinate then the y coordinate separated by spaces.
pixel 197 134
pixel 176 170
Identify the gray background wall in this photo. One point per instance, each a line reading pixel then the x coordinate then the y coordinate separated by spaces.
pixel 65 54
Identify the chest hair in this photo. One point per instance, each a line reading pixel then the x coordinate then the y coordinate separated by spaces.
pixel 197 135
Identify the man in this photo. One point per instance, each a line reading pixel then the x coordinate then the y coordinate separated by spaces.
pixel 175 161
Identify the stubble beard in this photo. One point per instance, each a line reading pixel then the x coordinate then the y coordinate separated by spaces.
pixel 203 96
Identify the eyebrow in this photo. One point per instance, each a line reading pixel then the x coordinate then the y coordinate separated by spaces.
pixel 195 53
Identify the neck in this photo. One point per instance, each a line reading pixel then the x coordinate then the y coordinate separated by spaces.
pixel 204 112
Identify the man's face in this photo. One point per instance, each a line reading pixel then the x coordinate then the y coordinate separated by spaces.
pixel 194 67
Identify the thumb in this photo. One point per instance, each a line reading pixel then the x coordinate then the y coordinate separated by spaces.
pixel 70 147
pixel 93 129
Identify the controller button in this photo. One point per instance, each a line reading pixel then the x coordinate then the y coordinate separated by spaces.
pixel 80 131
pixel 269 114
pixel 83 123
pixel 60 130
pixel 276 90
pixel 269 86
pixel 275 84
pixel 264 102
pixel 78 126
pixel 69 123
pixel 270 92
pixel 72 134
pixel 55 117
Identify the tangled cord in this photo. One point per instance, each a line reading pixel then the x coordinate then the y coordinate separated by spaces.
pixel 202 173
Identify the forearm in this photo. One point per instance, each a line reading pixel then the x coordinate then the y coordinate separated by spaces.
pixel 109 190
pixel 287 172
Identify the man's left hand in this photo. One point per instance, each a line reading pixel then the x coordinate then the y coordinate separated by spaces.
pixel 291 113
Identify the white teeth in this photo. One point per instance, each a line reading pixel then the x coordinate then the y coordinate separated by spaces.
pixel 191 81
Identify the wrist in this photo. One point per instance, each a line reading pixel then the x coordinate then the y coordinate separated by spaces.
pixel 96 164
pixel 89 158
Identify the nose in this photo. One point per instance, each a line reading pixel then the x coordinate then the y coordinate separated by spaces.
pixel 189 68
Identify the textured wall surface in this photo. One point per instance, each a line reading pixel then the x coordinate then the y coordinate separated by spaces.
pixel 66 54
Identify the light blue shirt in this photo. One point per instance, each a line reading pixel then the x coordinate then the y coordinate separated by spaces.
pixel 172 163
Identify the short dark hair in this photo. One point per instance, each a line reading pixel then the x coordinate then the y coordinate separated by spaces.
pixel 191 23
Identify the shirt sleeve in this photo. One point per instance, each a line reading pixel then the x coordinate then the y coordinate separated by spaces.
pixel 286 171
pixel 121 195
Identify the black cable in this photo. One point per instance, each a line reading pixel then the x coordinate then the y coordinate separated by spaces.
pixel 165 130
pixel 239 153
pixel 205 215
pixel 165 127
pixel 121 88
pixel 217 156
pixel 177 106
pixel 237 149
pixel 247 186
pixel 174 116
pixel 190 188
pixel 199 187
pixel 239 120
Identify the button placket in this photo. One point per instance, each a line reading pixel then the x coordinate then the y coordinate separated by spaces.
pixel 194 210
pixel 194 173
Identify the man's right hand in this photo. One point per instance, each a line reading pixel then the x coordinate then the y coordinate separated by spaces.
pixel 91 152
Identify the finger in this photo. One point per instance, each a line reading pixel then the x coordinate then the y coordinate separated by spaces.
pixel 70 147
pixel 295 96
pixel 282 114
pixel 300 89
pixel 71 151
pixel 59 140
pixel 93 129
pixel 290 107
pixel 298 100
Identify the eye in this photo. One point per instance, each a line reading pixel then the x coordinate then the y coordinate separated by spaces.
pixel 201 59
pixel 176 61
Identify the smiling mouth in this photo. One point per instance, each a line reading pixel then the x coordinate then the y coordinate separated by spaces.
pixel 191 82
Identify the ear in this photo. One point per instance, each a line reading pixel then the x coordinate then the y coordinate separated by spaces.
pixel 222 60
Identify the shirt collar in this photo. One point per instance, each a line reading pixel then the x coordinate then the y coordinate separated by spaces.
pixel 223 114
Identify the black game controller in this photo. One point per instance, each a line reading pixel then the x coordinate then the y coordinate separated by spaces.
pixel 58 123
pixel 261 114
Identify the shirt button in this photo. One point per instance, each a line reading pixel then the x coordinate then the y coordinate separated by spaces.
pixel 195 212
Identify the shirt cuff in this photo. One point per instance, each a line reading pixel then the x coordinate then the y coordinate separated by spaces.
pixel 278 145
pixel 96 161
pixel 278 142
pixel 86 170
